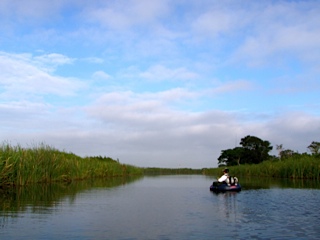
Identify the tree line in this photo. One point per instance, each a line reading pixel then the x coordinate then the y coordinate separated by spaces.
pixel 254 150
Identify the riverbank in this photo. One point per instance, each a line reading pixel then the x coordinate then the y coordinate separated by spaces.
pixel 170 171
pixel 295 167
pixel 44 164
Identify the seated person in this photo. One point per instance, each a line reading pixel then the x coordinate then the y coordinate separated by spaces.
pixel 225 178
pixel 225 175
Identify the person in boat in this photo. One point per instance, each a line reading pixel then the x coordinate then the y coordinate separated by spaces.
pixel 225 178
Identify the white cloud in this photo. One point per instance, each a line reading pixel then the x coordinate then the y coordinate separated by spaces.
pixel 53 58
pixel 282 31
pixel 144 123
pixel 233 86
pixel 178 94
pixel 49 62
pixel 21 76
pixel 31 10
pixel 127 108
pixel 101 75
pixel 22 112
pixel 143 130
pixel 160 73
pixel 295 130
pixel 215 22
pixel 125 14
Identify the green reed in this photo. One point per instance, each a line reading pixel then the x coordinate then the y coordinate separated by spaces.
pixel 44 164
pixel 296 167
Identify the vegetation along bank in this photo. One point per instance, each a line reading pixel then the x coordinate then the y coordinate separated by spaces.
pixel 43 164
pixel 252 158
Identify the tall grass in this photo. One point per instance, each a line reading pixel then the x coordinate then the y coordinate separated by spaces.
pixel 296 167
pixel 21 166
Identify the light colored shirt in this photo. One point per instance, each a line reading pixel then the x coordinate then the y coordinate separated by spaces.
pixel 223 177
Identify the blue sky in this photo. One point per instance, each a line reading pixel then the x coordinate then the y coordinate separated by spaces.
pixel 159 83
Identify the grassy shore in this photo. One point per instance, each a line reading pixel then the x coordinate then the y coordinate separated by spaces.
pixel 169 171
pixel 44 164
pixel 297 167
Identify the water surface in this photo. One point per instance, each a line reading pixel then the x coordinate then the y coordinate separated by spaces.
pixel 162 207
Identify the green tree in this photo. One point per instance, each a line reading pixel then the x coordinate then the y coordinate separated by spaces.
pixel 314 148
pixel 230 157
pixel 255 149
pixel 287 153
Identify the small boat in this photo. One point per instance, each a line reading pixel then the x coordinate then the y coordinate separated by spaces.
pixel 224 187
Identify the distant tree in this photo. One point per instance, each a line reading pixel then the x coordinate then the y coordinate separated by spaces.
pixel 314 148
pixel 280 149
pixel 230 157
pixel 255 149
pixel 286 153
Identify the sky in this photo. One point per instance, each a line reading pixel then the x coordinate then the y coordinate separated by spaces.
pixel 159 83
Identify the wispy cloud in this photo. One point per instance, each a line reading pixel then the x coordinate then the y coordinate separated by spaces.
pixel 101 75
pixel 160 73
pixel 24 75
pixel 233 86
pixel 282 31
pixel 119 16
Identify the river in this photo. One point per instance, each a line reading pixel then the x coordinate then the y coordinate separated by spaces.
pixel 162 207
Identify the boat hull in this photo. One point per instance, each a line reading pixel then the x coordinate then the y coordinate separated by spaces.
pixel 223 187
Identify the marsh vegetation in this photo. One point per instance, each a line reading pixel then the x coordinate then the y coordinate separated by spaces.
pixel 44 164
pixel 295 167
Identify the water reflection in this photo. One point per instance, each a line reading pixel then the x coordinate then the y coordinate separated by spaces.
pixel 38 197
pixel 162 207
pixel 227 204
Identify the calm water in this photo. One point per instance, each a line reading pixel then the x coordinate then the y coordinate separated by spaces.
pixel 163 207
